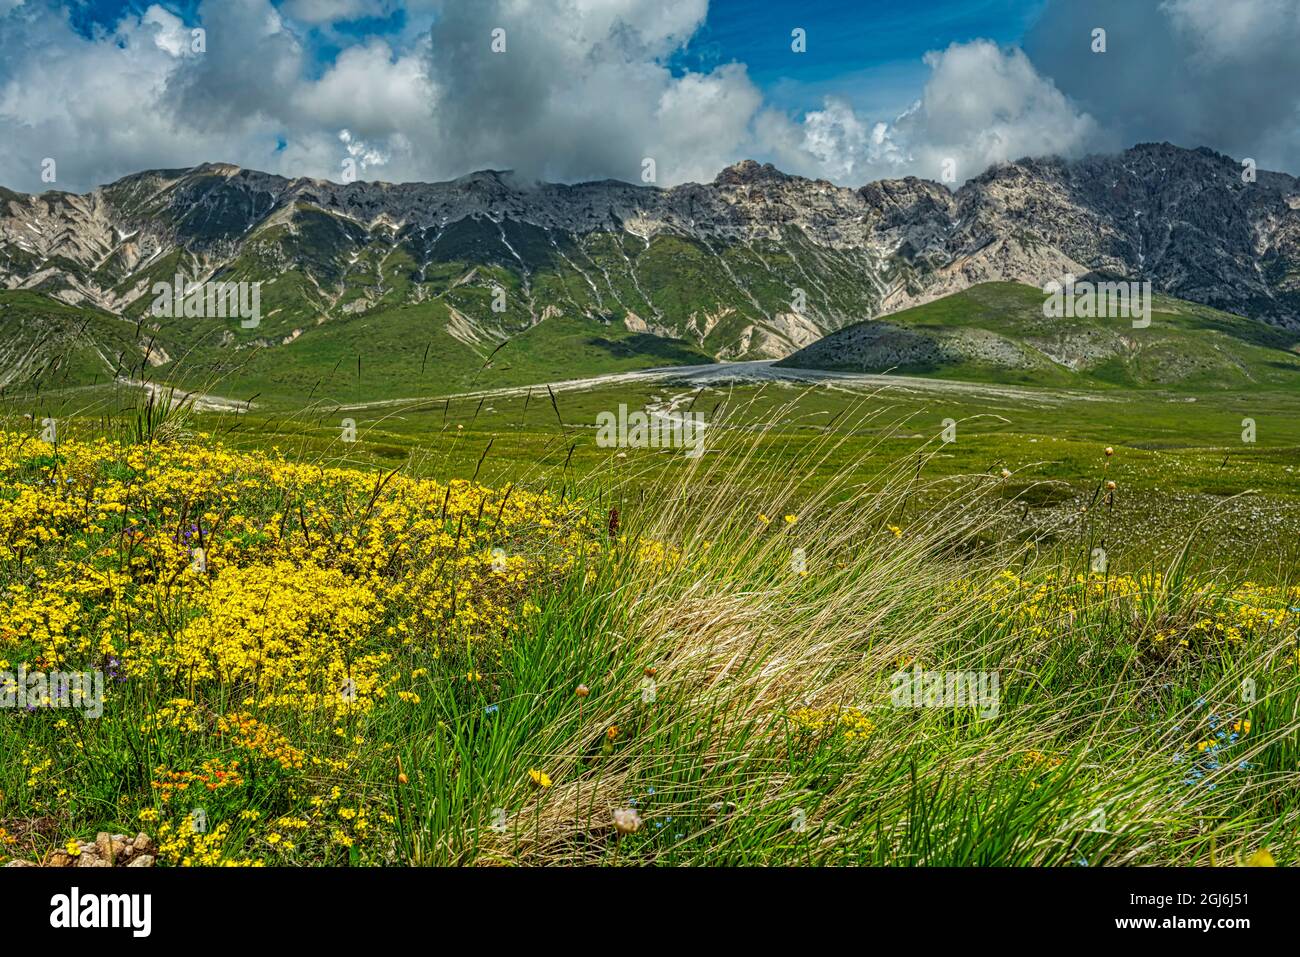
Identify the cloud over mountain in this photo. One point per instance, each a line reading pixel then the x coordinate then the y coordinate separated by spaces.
pixel 981 105
pixel 586 89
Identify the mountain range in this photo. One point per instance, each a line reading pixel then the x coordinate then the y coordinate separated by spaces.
pixel 536 280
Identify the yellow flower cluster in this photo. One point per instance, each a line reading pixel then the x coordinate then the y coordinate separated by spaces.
pixel 179 714
pixel 199 564
pixel 182 845
pixel 1041 607
pixel 1038 761
pixel 851 722
pixel 254 599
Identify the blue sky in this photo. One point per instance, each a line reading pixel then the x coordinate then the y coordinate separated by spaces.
pixel 866 50
pixel 591 88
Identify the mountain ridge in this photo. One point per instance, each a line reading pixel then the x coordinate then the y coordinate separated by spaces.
pixel 756 264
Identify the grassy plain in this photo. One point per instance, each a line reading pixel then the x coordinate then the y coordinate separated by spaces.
pixel 473 636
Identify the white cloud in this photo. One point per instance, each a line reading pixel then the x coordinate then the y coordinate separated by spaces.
pixel 172 35
pixel 581 91
pixel 981 105
pixel 845 146
pixel 366 156
pixel 584 91
pixel 701 121
pixel 369 88
pixel 90 104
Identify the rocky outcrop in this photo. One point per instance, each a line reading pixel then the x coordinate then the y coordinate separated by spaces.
pixel 751 241
pixel 106 850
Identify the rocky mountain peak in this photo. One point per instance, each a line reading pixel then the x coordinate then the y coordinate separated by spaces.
pixel 748 172
pixel 219 169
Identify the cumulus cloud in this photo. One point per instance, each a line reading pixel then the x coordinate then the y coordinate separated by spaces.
pixel 363 154
pixel 981 105
pixel 583 89
pixel 1193 72
pixel 172 36
pixel 91 104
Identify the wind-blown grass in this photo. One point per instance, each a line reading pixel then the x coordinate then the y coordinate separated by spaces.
pixel 737 694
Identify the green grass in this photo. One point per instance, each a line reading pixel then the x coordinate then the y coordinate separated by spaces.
pixel 1186 346
pixel 48 345
pixel 739 756
pixel 1180 461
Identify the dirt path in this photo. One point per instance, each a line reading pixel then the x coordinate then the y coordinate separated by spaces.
pixel 722 374
pixel 199 401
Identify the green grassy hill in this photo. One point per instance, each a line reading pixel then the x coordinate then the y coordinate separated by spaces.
pixel 997 332
pixel 47 344
pixel 410 351
pixel 307 348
